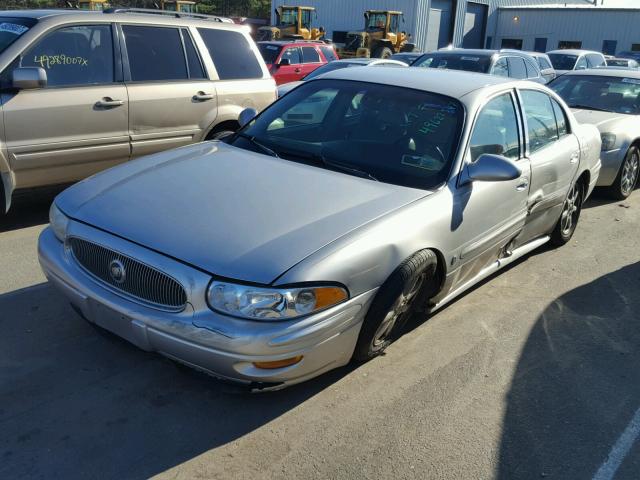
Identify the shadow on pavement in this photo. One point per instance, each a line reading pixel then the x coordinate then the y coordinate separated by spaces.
pixel 576 385
pixel 29 210
pixel 76 404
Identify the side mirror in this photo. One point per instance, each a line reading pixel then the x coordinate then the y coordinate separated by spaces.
pixel 28 78
pixel 492 168
pixel 246 116
pixel 284 62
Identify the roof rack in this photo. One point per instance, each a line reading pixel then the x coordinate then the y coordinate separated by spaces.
pixel 199 16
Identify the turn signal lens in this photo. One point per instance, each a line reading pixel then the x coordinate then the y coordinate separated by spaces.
pixel 278 363
pixel 328 296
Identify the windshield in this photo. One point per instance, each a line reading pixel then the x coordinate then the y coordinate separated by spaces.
pixel 455 61
pixel 386 133
pixel 330 67
pixel 13 28
pixel 562 61
pixel 288 17
pixel 611 94
pixel 269 52
pixel 376 21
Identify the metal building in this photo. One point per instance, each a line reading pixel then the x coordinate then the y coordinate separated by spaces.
pixel 433 24
pixel 610 27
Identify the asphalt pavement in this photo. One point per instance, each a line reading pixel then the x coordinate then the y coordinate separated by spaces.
pixel 533 374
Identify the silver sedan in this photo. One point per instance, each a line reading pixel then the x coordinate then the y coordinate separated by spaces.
pixel 609 99
pixel 307 239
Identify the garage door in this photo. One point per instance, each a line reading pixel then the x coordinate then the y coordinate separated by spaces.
pixel 439 29
pixel 475 20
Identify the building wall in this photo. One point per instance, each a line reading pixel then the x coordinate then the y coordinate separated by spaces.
pixel 591 26
pixel 345 15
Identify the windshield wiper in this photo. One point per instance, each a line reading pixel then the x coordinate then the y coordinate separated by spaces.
pixel 255 142
pixel 589 107
pixel 329 163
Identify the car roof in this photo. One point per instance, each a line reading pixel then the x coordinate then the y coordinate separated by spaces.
pixel 573 51
pixel 452 83
pixel 606 72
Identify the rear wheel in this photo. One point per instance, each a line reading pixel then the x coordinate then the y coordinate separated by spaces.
pixel 627 178
pixel 394 304
pixel 569 217
pixel 383 52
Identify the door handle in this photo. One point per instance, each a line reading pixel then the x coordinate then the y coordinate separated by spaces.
pixel 202 97
pixel 108 102
pixel 523 185
pixel 575 156
pixel 297 70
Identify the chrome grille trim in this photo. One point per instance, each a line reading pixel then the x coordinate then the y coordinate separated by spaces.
pixel 142 283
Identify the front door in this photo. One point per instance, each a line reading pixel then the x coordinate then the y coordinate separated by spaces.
pixel 172 102
pixel 488 215
pixel 310 60
pixel 554 153
pixel 78 124
pixel 293 71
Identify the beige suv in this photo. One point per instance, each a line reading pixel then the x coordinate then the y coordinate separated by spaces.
pixel 83 91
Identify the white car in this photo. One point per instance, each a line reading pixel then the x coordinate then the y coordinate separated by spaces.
pixel 572 59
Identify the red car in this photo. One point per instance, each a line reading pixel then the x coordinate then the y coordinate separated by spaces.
pixel 290 61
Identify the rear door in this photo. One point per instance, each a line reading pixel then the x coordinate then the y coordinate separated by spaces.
pixel 76 125
pixel 554 154
pixel 310 59
pixel 171 100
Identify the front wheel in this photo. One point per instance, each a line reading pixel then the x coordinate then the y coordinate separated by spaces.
pixel 383 52
pixel 394 304
pixel 627 177
pixel 569 217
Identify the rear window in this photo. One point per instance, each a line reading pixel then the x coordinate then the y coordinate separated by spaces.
pixel 155 53
pixel 455 61
pixel 269 52
pixel 561 61
pixel 231 54
pixel 329 53
pixel 310 55
pixel 543 63
pixel 13 28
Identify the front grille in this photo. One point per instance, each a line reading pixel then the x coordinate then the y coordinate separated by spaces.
pixel 128 276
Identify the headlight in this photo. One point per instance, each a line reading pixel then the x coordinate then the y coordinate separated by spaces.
pixel 58 222
pixel 261 303
pixel 608 141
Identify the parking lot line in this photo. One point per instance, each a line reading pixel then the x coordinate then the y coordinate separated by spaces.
pixel 620 449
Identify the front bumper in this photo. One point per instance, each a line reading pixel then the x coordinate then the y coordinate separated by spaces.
pixel 611 162
pixel 222 346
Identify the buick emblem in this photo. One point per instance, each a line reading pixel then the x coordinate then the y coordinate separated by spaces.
pixel 117 271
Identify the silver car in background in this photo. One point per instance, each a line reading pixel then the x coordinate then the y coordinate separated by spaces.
pixel 303 242
pixel 609 99
pixel 544 62
pixel 566 60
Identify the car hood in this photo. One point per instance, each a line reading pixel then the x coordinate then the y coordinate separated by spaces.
pixel 606 121
pixel 231 212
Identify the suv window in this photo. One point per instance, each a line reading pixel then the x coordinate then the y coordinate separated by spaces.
pixel 78 55
pixel 595 60
pixel 500 68
pixel 293 54
pixel 193 59
pixel 155 53
pixel 496 129
pixel 231 54
pixel 517 68
pixel 329 54
pixel 310 55
pixel 541 119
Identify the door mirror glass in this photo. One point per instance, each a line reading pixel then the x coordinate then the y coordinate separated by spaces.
pixel 284 62
pixel 246 116
pixel 493 168
pixel 28 78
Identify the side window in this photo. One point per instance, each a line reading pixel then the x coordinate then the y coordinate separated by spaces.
pixel 517 68
pixel 532 70
pixel 329 54
pixel 581 64
pixel 544 64
pixel 496 130
pixel 594 60
pixel 231 54
pixel 500 68
pixel 79 55
pixel 561 118
pixel 193 60
pixel 155 53
pixel 310 55
pixel 293 54
pixel 541 119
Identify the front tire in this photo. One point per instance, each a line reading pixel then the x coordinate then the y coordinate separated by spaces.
pixel 627 177
pixel 383 52
pixel 394 304
pixel 569 217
